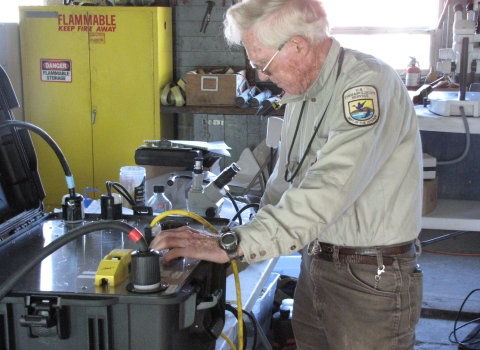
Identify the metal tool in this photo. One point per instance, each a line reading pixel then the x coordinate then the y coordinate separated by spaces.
pixel 206 17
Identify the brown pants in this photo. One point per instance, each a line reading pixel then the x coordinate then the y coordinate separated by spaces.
pixel 337 306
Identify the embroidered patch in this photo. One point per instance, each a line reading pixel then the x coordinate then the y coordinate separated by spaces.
pixel 360 105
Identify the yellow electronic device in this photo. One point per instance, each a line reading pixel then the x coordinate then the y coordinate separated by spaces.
pixel 114 268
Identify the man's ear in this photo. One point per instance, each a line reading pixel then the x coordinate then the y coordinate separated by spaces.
pixel 300 45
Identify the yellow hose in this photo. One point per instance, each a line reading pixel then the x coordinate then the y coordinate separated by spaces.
pixel 239 304
pixel 234 268
pixel 184 213
pixel 229 342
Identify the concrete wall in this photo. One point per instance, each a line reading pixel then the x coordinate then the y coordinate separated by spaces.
pixel 194 49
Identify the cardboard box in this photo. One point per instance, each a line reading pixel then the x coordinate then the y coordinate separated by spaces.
pixel 429 195
pixel 214 89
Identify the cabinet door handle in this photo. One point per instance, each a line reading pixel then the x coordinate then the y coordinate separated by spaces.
pixel 94 115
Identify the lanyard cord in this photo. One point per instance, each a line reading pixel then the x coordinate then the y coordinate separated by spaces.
pixel 315 130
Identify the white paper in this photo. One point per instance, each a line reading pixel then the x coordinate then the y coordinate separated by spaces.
pixel 218 147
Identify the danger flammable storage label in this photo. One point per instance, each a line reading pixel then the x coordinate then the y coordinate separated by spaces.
pixel 56 70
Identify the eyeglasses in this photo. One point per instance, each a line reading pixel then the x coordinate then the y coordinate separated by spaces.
pixel 264 70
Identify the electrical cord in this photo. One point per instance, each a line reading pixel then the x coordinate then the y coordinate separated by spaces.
pixel 467 141
pixel 75 233
pixel 433 251
pixel 121 190
pixel 233 310
pixel 255 325
pixel 234 203
pixel 466 341
pixel 233 263
pixel 51 143
pixel 173 177
pixel 239 212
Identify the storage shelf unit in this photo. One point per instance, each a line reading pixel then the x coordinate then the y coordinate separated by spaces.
pixel 217 110
pixel 453 214
pixel 450 214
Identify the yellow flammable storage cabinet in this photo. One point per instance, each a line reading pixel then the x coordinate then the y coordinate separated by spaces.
pixel 92 78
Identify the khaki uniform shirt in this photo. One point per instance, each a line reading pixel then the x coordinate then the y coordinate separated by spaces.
pixel 361 181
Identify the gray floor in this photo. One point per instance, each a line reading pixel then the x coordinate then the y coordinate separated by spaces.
pixel 451 272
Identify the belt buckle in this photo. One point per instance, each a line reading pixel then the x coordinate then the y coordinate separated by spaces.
pixel 314 248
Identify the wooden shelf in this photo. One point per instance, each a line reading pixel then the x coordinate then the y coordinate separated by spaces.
pixel 453 214
pixel 218 110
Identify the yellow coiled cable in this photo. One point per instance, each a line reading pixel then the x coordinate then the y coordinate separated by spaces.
pixel 234 268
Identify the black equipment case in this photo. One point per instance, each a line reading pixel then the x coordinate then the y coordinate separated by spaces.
pixel 56 304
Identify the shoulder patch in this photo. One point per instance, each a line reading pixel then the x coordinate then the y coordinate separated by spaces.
pixel 360 105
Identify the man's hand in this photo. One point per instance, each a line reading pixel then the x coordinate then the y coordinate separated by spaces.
pixel 190 243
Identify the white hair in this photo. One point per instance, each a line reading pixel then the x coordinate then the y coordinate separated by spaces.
pixel 276 21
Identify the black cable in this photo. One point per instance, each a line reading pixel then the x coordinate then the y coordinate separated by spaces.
pixel 173 177
pixel 108 184
pixel 237 215
pixel 229 195
pixel 63 240
pixel 465 342
pixel 123 192
pixel 254 322
pixel 51 143
pixel 234 311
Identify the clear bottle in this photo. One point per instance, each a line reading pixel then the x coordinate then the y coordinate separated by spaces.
pixel 158 201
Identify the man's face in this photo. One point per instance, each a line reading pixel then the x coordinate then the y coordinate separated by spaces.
pixel 283 69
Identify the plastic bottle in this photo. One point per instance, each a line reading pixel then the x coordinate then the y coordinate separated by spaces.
pixel 412 78
pixel 283 338
pixel 133 179
pixel 158 201
pixel 288 302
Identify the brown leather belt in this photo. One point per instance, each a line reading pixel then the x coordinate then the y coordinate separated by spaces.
pixel 363 255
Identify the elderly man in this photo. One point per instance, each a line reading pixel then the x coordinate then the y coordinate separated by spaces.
pixel 346 189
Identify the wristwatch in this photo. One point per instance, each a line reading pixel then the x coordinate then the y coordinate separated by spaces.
pixel 229 242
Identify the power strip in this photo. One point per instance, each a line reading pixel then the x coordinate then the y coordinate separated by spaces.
pixel 447 103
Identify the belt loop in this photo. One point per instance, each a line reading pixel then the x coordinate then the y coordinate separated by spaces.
pixel 418 246
pixel 314 247
pixel 336 259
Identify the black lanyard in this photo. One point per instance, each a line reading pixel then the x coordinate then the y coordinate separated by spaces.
pixel 315 130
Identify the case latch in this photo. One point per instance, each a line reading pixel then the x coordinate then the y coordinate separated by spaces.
pixel 45 317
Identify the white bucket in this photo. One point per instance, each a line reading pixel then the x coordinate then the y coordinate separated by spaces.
pixel 133 179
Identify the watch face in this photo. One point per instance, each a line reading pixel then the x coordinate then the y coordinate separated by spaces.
pixel 228 239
